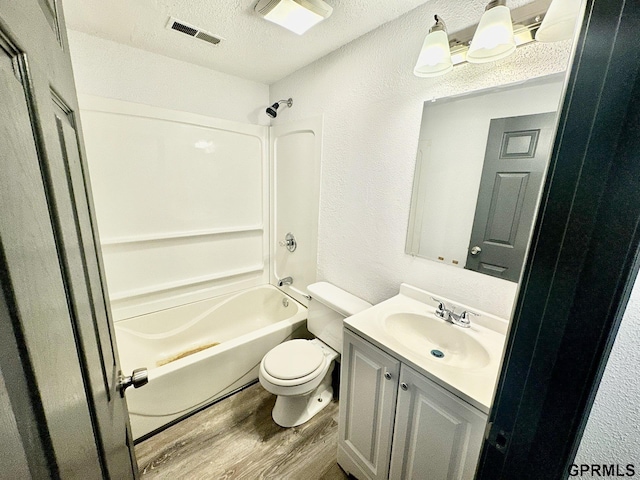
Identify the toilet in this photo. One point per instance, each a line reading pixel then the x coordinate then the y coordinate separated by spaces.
pixel 299 371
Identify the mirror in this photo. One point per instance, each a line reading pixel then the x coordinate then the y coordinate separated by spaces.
pixel 480 165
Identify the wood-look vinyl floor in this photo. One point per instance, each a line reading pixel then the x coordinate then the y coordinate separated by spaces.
pixel 236 438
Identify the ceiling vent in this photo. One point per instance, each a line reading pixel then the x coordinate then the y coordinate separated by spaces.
pixel 193 31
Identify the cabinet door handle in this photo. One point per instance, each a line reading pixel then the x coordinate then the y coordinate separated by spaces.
pixel 388 375
pixel 404 386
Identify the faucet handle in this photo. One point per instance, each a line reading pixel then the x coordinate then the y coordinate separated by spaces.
pixel 441 304
pixel 442 311
pixel 464 316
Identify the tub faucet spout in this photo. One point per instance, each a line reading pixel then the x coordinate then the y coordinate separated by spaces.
pixel 285 281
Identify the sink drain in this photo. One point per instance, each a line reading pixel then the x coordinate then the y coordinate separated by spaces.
pixel 437 353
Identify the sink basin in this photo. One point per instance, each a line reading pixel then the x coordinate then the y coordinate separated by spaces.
pixel 437 341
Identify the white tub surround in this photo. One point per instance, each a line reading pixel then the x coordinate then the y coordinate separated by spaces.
pixel 234 333
pixel 296 154
pixel 181 201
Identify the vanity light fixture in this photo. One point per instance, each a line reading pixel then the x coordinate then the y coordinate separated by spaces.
pixel 435 55
pixel 465 45
pixel 493 39
pixel 560 21
pixel 295 15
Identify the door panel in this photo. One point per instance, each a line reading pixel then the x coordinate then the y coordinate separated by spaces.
pixel 515 160
pixel 50 11
pixel 87 296
pixel 33 286
pixel 506 208
pixel 78 238
pixel 52 276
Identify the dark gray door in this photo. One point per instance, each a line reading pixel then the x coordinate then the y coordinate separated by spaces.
pixel 58 362
pixel 517 153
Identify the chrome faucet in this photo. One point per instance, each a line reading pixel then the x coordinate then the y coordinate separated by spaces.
pixel 285 281
pixel 448 315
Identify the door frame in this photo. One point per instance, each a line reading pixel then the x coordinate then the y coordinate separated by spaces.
pixel 582 262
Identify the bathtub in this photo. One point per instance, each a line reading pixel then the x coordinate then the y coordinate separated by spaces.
pixel 200 352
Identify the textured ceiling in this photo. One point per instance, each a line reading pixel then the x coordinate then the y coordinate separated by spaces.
pixel 253 48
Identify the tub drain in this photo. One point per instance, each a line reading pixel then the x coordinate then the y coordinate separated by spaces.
pixel 437 353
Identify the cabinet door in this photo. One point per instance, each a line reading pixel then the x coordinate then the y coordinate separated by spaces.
pixel 369 386
pixel 437 435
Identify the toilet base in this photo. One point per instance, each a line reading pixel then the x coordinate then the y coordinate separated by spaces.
pixel 296 410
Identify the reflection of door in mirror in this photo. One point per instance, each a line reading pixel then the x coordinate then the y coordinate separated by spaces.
pixel 450 161
pixel 514 164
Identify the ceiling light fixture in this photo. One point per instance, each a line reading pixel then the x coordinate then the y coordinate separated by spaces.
pixel 435 55
pixel 493 39
pixel 560 20
pixel 295 15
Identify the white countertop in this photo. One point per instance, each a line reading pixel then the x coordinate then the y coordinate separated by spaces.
pixel 474 385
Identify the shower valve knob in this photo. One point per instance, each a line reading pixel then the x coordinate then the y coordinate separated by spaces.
pixel 289 242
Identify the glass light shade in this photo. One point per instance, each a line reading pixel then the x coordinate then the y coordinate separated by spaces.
pixel 559 21
pixel 293 16
pixel 493 39
pixel 435 56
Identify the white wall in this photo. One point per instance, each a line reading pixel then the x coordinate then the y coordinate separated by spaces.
pixel 612 434
pixel 372 107
pixel 108 69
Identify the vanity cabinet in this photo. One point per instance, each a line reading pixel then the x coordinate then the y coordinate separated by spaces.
pixel 396 423
pixel 437 435
pixel 368 391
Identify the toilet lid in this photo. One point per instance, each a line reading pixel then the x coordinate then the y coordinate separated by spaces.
pixel 293 359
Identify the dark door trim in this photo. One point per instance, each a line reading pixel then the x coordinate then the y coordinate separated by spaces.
pixel 583 259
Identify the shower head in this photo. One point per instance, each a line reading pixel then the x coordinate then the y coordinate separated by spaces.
pixel 272 111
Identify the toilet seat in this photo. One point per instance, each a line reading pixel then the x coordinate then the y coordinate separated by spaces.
pixel 302 397
pixel 293 360
pixel 283 366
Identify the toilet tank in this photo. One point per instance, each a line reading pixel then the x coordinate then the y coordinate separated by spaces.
pixel 328 307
